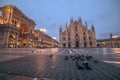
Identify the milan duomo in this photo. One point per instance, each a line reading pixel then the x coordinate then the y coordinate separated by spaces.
pixel 77 35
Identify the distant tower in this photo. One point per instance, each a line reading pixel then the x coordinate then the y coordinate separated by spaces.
pixel 111 35
pixel 60 38
pixel 66 24
pixel 92 26
pixel 60 30
pixel 86 24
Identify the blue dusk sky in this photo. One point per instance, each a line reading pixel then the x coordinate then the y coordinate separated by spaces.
pixel 51 14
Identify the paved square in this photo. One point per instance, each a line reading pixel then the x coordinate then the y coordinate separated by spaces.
pixel 44 66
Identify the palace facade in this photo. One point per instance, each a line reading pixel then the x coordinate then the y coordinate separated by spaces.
pixel 112 42
pixel 16 29
pixel 77 35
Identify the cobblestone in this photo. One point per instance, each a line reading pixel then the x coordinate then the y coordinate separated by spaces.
pixel 56 68
pixel 44 67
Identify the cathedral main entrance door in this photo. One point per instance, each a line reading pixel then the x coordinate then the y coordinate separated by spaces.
pixel 77 44
pixel 85 45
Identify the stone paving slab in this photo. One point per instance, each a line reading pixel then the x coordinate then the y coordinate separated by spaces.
pixel 8 57
pixel 44 67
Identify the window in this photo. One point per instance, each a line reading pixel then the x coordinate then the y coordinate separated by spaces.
pixel 69 45
pixel 76 35
pixel 84 38
pixel 69 38
pixel 90 38
pixel 15 23
pixel 68 34
pixel 84 33
pixel 12 21
pixel 76 28
pixel 63 38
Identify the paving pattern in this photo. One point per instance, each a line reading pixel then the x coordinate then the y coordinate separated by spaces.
pixel 55 67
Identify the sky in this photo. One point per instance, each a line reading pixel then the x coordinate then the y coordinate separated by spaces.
pixel 51 14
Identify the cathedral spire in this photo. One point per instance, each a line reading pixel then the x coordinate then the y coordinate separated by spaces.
pixel 60 29
pixel 86 24
pixel 111 35
pixel 92 27
pixel 66 24
pixel 71 20
pixel 79 19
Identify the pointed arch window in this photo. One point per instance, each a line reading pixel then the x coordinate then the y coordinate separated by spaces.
pixel 76 28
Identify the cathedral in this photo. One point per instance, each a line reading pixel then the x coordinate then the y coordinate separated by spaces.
pixel 77 35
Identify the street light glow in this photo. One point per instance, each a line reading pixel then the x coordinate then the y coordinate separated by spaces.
pixel 54 38
pixel 43 30
pixel 114 36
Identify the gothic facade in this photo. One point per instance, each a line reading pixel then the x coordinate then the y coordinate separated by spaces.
pixel 77 35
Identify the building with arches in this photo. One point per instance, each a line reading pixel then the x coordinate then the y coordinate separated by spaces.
pixel 112 42
pixel 77 35
pixel 42 40
pixel 16 29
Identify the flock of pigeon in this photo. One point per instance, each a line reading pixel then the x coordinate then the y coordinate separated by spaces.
pixel 81 61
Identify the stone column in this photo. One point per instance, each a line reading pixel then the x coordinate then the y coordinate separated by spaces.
pixel 32 42
pixel 16 40
pixel 7 17
pixel 10 17
pixel 7 34
pixel 28 41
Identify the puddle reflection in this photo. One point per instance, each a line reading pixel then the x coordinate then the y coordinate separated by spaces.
pixel 104 51
pixel 116 50
pixel 116 62
pixel 54 50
